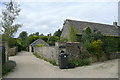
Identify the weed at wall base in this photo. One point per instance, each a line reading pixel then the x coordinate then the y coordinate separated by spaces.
pixel 50 61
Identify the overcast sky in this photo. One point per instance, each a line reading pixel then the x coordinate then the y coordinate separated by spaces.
pixel 47 17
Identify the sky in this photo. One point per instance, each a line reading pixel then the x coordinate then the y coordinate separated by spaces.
pixel 48 16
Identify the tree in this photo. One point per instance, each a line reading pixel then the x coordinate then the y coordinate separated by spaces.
pixel 20 44
pixel 45 38
pixel 9 14
pixel 24 36
pixel 57 33
pixel 37 33
pixel 53 39
pixel 33 38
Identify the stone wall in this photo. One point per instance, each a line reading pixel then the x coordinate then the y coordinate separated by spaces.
pixel 52 52
pixel 12 51
pixel 73 50
pixel 48 52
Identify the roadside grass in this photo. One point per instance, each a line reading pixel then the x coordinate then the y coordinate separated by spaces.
pixel 50 61
pixel 8 67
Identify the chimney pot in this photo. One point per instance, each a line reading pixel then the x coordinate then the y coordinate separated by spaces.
pixel 115 24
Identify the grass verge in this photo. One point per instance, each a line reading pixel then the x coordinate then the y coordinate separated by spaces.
pixel 50 61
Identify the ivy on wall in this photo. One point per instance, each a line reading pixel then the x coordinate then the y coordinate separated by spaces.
pixel 72 34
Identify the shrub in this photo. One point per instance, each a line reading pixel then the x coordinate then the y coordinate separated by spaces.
pixel 111 44
pixel 81 62
pixel 87 35
pixel 74 62
pixel 40 45
pixel 84 53
pixel 97 44
pixel 89 47
pixel 98 48
pixel 8 67
pixel 84 62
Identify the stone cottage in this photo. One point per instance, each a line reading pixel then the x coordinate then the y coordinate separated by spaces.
pixel 105 29
pixel 35 43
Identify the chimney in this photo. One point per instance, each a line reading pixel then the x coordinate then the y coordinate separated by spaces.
pixel 115 24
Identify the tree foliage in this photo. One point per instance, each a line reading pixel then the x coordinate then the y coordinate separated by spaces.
pixel 9 14
pixel 33 38
pixel 45 38
pixel 23 35
pixel 53 39
pixel 57 33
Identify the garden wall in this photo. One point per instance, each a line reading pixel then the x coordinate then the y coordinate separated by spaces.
pixel 73 49
pixel 48 52
pixel 12 51
pixel 52 52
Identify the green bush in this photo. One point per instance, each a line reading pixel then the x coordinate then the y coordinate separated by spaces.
pixel 97 45
pixel 74 62
pixel 89 47
pixel 111 44
pixel 81 62
pixel 97 48
pixel 84 62
pixel 8 67
pixel 84 53
pixel 40 45
pixel 87 35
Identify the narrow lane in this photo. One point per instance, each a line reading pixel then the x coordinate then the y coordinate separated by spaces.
pixel 28 66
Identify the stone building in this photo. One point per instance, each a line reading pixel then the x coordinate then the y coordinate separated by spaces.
pixel 105 29
pixel 35 43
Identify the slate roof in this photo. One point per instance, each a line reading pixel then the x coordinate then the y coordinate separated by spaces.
pixel 39 41
pixel 103 28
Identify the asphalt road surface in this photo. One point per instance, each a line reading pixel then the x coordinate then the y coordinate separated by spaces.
pixel 28 66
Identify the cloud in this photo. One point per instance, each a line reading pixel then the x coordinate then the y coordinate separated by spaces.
pixel 47 17
pixel 65 0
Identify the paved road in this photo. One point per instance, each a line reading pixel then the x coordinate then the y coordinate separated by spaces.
pixel 28 66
